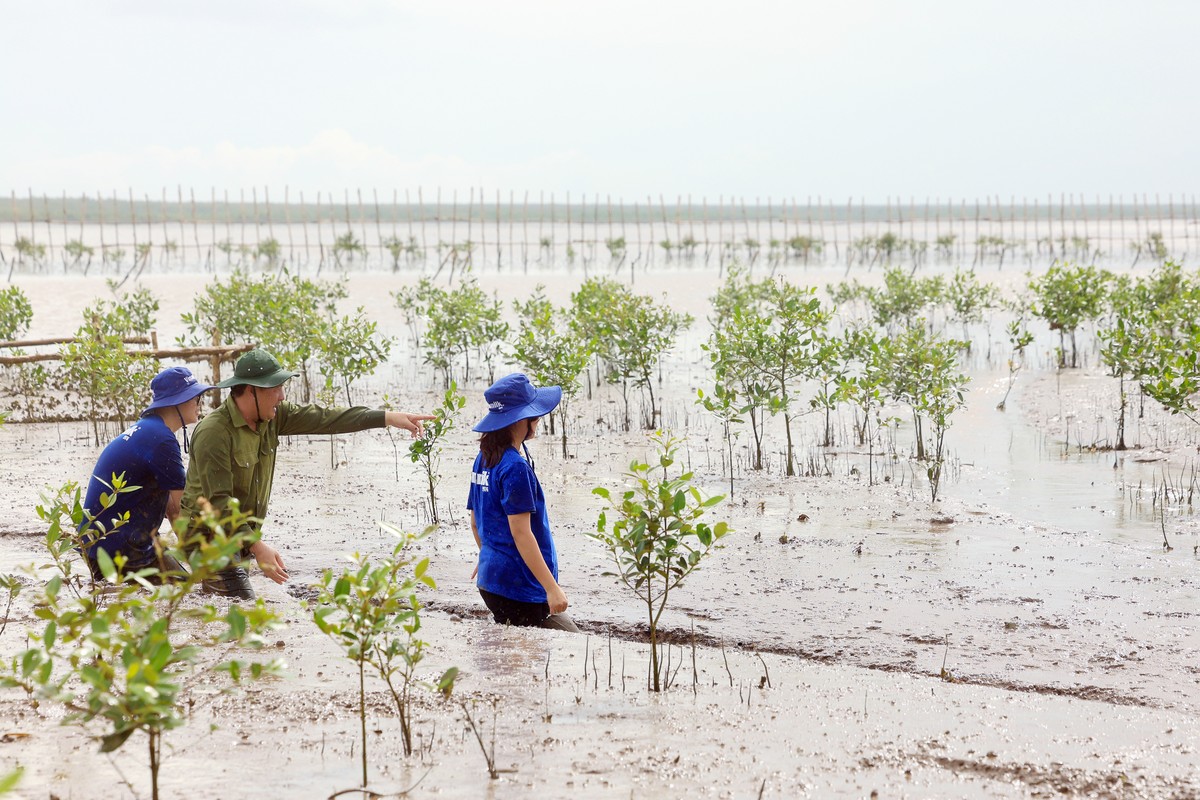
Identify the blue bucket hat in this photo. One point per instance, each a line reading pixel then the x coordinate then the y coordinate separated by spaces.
pixel 175 385
pixel 514 398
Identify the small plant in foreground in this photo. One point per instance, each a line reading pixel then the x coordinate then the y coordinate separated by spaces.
pixel 427 450
pixel 112 657
pixel 656 538
pixel 372 612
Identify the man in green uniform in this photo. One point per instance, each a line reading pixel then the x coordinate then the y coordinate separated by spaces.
pixel 233 453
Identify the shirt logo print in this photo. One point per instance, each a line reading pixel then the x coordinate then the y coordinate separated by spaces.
pixel 480 479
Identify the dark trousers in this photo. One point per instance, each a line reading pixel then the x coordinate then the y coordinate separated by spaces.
pixel 527 615
pixel 168 568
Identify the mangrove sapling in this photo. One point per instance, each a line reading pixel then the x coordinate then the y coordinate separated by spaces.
pixel 827 369
pixel 590 317
pixel 98 369
pixel 1176 382
pixel 944 245
pixel 347 246
pixel 916 363
pixel 29 250
pixel 804 246
pixel 351 349
pixel 289 316
pixel 16 313
pixel 651 332
pixel 76 250
pixel 463 320
pixel 616 248
pixel 940 394
pixel 1124 349
pixel 1018 340
pixel 730 349
pixel 114 659
pixel 863 387
pixel 410 249
pixel 738 291
pixel 778 346
pixel 904 298
pixel 968 299
pixel 1066 297
pixel 550 350
pixel 638 333
pixel 372 612
pixel 415 303
pixel 724 404
pixel 656 538
pixel 427 449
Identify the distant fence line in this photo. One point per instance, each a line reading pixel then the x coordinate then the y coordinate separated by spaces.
pixel 415 228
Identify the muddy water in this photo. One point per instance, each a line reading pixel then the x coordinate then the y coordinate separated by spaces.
pixel 1038 580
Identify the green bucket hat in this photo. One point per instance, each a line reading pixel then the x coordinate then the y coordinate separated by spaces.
pixel 257 368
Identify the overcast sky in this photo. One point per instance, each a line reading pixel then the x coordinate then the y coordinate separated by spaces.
pixel 922 98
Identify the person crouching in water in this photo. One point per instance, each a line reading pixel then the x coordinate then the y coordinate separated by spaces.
pixel 146 456
pixel 517 573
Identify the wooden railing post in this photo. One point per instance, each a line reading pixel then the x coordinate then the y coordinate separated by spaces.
pixel 215 397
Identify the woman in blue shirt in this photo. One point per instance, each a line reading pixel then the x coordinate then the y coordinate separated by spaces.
pixel 517 573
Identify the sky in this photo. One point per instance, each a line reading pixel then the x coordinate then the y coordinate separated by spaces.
pixel 748 99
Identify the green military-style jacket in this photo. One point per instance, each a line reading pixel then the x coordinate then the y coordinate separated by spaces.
pixel 231 460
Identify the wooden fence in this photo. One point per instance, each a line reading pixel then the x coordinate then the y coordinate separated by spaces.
pixel 214 355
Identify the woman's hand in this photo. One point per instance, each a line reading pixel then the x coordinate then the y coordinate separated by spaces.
pixel 557 599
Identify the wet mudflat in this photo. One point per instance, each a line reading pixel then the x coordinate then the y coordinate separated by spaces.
pixel 1028 635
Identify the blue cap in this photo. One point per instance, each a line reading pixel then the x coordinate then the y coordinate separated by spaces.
pixel 175 385
pixel 514 398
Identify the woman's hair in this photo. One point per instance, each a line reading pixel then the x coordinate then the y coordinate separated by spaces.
pixel 493 444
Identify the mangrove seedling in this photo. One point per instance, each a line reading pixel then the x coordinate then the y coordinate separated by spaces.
pixel 427 450
pixel 656 537
pixel 372 612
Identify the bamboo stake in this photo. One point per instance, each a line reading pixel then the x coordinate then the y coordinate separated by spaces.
pixel 525 231
pixel 421 211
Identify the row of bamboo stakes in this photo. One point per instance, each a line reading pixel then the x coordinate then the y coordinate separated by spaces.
pixel 491 221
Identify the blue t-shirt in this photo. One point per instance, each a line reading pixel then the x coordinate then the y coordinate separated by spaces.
pixel 510 487
pixel 148 455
